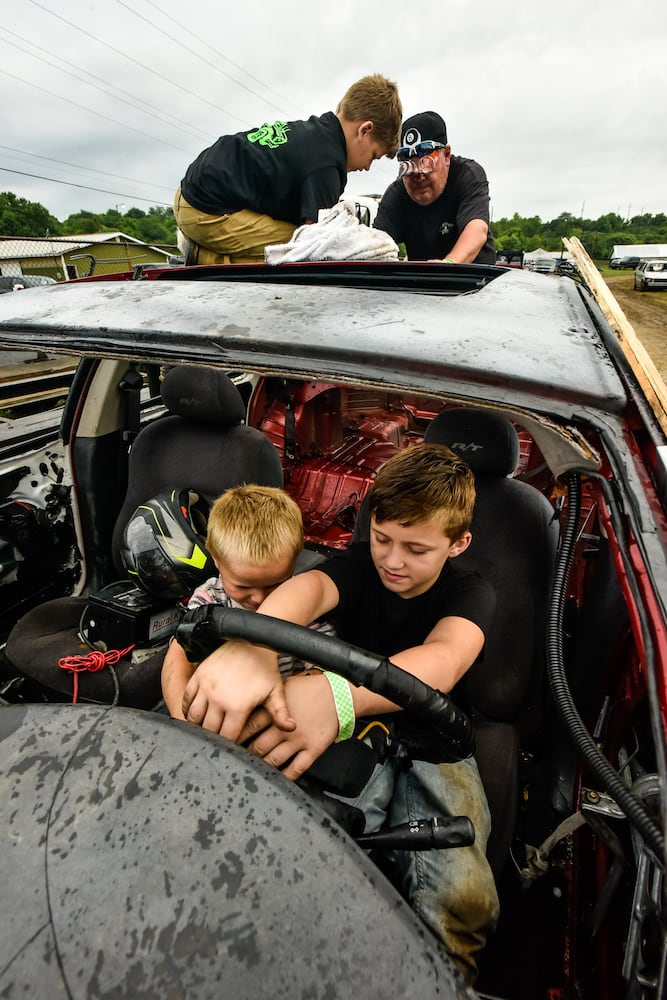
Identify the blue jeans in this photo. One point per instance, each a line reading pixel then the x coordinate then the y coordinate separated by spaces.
pixel 453 891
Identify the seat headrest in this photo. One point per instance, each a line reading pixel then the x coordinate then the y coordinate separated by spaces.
pixel 487 441
pixel 205 395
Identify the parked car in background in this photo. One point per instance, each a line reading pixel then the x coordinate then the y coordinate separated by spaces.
pixel 511 258
pixel 16 282
pixel 564 266
pixel 651 274
pixel 544 265
pixel 145 857
pixel 621 263
pixel 628 255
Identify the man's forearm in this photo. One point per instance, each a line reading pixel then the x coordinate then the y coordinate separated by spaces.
pixel 471 240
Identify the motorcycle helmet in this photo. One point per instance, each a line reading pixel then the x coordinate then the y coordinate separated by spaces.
pixel 163 546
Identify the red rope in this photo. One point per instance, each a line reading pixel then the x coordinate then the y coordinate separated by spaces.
pixel 92 662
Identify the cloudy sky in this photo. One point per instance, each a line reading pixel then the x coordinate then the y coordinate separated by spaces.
pixel 106 102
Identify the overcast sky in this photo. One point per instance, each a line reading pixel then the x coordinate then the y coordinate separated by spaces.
pixel 563 103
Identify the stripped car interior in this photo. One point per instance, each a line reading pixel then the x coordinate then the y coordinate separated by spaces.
pixel 311 377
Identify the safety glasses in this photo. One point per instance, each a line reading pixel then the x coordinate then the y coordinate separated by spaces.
pixel 419 149
pixel 419 164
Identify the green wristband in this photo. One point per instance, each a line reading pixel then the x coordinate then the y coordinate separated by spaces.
pixel 449 260
pixel 342 696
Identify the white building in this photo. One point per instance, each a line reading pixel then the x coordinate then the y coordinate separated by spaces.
pixel 655 251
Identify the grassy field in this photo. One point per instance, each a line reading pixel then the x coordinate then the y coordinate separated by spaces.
pixel 646 311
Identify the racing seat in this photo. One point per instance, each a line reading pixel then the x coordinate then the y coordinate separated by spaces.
pixel 515 536
pixel 201 444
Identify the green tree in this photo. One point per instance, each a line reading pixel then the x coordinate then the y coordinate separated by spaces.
pixel 610 222
pixel 158 225
pixel 86 222
pixel 597 235
pixel 165 215
pixel 19 217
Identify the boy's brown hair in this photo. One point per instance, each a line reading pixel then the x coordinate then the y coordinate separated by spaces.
pixel 375 98
pixel 254 524
pixel 423 483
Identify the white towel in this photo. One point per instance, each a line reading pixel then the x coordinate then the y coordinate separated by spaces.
pixel 337 235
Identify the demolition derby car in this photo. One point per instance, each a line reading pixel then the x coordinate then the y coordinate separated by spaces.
pixel 144 857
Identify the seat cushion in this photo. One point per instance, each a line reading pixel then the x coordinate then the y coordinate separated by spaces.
pixel 49 632
pixel 497 759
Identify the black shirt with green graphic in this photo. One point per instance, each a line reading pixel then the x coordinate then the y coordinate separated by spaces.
pixel 288 170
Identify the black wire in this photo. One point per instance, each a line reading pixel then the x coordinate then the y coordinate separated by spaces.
pixel 633 807
pixel 84 187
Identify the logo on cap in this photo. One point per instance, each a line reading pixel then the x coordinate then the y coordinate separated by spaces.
pixel 411 137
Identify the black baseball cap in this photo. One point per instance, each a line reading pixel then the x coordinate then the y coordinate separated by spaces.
pixel 420 128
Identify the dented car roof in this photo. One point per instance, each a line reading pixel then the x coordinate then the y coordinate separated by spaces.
pixel 533 340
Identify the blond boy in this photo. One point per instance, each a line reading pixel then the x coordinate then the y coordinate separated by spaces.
pixel 254 536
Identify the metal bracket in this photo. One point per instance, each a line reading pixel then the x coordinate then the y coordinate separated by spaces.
pixel 601 803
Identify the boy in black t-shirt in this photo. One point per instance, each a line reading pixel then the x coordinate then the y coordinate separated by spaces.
pixel 253 189
pixel 400 596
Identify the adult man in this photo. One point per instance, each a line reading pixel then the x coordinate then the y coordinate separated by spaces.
pixel 439 205
pixel 254 188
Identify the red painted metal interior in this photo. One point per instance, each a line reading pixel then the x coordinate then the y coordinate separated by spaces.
pixel 333 440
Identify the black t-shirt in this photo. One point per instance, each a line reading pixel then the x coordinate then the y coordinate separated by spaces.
pixel 370 616
pixel 430 231
pixel 288 170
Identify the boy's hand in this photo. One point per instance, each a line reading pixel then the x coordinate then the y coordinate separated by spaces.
pixel 311 703
pixel 229 684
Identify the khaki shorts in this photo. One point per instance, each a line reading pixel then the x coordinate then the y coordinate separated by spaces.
pixel 237 238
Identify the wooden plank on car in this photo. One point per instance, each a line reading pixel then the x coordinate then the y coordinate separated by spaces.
pixel 639 360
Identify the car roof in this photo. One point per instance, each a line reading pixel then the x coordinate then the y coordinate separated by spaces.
pixel 534 343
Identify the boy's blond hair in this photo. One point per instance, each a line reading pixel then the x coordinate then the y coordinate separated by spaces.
pixel 254 524
pixel 423 483
pixel 375 98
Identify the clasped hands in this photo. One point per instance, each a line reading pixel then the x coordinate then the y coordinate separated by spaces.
pixel 238 692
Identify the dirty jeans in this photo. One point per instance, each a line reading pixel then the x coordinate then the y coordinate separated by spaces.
pixel 453 890
pixel 236 238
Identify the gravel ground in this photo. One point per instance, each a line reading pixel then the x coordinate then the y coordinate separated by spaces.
pixel 647 312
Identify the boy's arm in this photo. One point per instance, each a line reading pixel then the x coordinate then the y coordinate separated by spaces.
pixel 239 677
pixel 176 672
pixel 447 653
pixel 449 650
